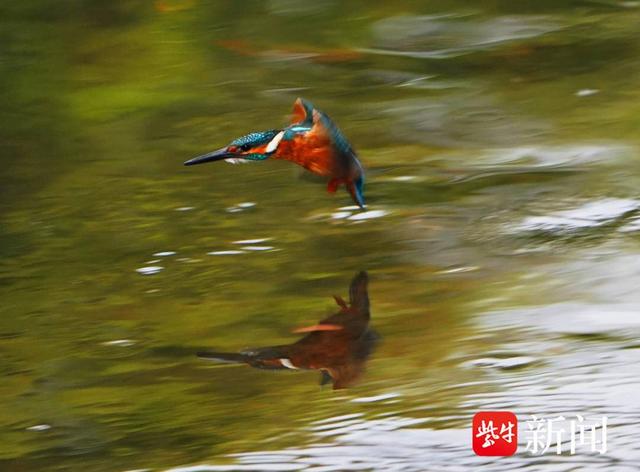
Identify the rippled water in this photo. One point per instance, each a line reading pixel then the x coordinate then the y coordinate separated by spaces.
pixel 501 237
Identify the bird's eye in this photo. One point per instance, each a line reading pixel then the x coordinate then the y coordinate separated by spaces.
pixel 245 147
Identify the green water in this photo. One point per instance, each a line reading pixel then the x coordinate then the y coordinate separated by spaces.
pixel 501 148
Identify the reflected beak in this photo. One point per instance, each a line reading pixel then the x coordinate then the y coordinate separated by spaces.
pixel 218 155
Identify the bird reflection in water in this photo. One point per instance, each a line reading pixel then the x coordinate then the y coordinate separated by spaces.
pixel 338 346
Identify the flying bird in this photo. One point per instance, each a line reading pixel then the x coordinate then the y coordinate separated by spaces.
pixel 312 141
pixel 338 346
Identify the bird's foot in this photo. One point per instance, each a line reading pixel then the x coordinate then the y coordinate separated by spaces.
pixel 332 186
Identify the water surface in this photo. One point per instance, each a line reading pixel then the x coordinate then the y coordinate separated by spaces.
pixel 502 234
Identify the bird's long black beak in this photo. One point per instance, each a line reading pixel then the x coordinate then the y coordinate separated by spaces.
pixel 218 155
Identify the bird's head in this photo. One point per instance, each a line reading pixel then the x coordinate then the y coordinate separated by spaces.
pixel 256 146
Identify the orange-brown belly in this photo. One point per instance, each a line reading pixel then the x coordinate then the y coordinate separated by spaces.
pixel 312 151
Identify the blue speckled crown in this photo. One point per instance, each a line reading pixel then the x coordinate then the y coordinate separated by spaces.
pixel 255 139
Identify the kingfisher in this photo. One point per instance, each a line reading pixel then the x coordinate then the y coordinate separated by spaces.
pixel 312 140
pixel 337 346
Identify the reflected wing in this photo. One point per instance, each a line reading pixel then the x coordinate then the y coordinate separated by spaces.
pixel 358 294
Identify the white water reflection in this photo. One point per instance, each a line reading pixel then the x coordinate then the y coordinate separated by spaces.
pixel 149 270
pixel 544 156
pixel 442 36
pixel 589 215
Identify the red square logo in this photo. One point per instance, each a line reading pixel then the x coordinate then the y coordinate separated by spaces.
pixel 494 433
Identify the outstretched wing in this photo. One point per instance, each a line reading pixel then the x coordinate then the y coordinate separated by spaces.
pixel 302 112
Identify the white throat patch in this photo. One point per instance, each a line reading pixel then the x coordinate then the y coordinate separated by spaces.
pixel 273 144
pixel 287 363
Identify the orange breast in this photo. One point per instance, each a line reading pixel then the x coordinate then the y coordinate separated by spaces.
pixel 312 150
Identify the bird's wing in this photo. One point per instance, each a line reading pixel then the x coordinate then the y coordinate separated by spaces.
pixel 358 294
pixel 339 141
pixel 302 112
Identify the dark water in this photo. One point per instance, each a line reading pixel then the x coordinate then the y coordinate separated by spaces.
pixel 502 236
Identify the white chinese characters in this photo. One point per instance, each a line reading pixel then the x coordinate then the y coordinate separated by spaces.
pixel 556 433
